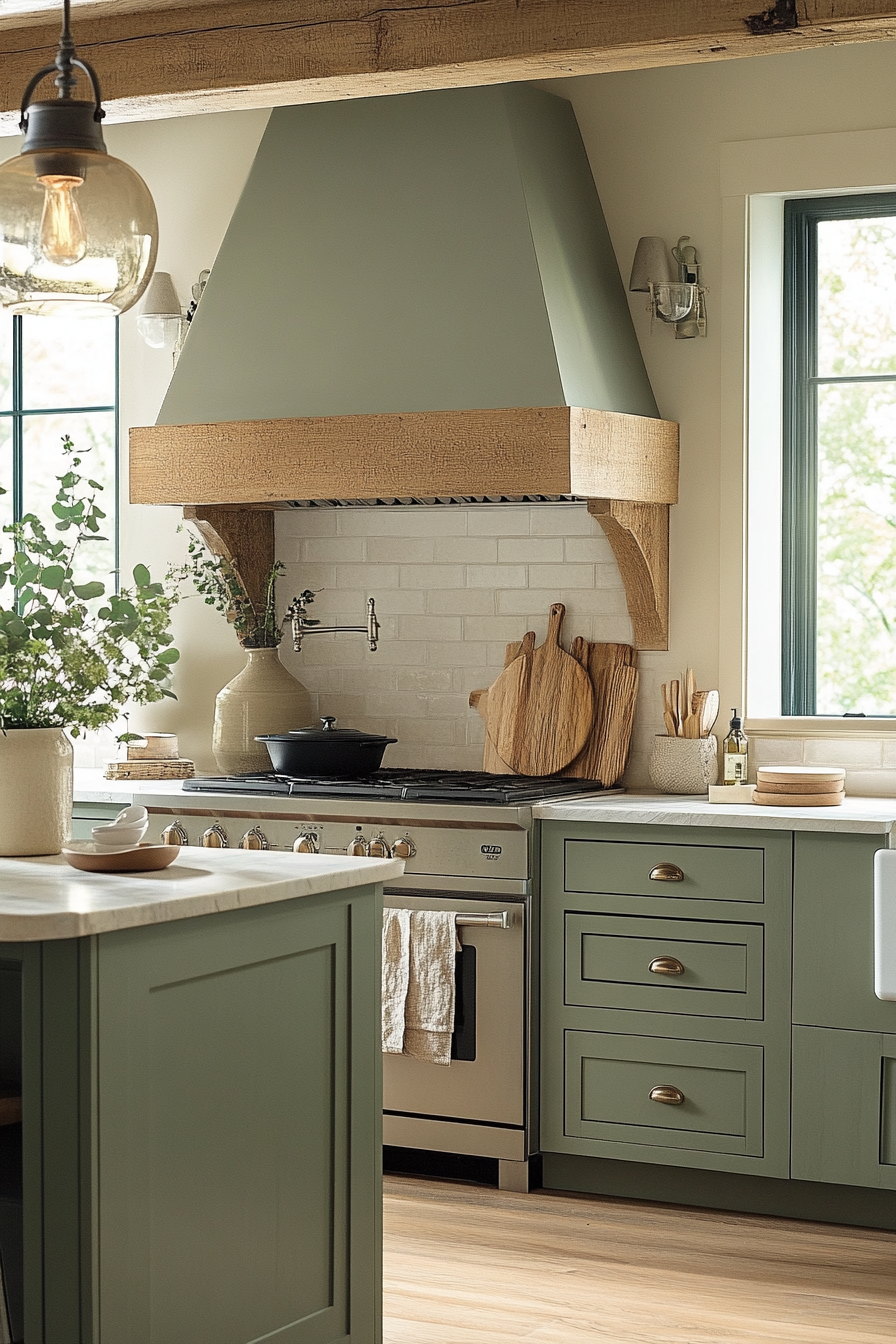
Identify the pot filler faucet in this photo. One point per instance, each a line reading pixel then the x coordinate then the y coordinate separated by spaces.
pixel 297 614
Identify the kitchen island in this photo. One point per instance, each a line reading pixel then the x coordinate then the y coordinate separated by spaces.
pixel 197 1052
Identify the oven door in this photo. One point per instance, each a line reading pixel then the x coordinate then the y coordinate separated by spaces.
pixel 486 1078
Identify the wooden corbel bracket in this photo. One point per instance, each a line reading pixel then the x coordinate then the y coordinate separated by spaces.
pixel 639 536
pixel 241 534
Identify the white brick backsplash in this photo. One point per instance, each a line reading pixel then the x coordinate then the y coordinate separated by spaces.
pixel 561 576
pixel 401 522
pixel 453 587
pixel 871 783
pixel 399 550
pixel 889 750
pixel 496 576
pixel 332 550
pixel 465 550
pixel 431 576
pixel 768 750
pixel 459 653
pixel 585 550
pixel 562 520
pixel 372 578
pixel 461 601
pixel 529 550
pixel 305 523
pixel 508 521
pixel 817 751
pixel 423 679
pixel 525 601
pixel 431 627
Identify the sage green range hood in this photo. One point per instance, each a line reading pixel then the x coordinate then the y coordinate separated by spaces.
pixel 416 300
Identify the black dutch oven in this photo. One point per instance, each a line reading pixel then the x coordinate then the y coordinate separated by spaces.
pixel 325 751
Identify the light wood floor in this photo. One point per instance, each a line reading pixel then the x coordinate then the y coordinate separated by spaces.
pixel 467 1265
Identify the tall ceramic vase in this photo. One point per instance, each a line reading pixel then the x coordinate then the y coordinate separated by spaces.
pixel 35 790
pixel 263 698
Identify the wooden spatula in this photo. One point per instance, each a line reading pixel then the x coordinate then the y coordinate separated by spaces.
pixel 541 708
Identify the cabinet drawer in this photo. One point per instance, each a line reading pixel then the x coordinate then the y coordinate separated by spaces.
pixel 610 1078
pixel 609 960
pixel 637 868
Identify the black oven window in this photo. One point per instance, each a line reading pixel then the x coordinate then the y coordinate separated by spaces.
pixel 463 1042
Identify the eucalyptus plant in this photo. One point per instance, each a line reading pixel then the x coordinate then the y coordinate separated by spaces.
pixel 73 655
pixel 218 580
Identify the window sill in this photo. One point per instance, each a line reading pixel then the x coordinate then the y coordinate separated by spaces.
pixel 834 729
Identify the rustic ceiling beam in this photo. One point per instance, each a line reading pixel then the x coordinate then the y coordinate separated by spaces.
pixel 264 53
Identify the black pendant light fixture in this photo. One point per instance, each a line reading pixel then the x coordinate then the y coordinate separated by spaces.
pixel 78 228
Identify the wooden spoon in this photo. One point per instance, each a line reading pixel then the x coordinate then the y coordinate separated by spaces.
pixel 668 713
pixel 709 713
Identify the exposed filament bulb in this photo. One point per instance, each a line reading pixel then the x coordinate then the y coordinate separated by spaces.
pixel 63 237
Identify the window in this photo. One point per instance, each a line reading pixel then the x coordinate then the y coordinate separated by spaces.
pixel 59 376
pixel 839 479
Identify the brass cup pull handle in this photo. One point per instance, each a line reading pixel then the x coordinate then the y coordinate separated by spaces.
pixel 666 966
pixel 666 872
pixel 667 1095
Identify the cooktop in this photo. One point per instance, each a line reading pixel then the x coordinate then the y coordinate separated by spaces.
pixel 442 786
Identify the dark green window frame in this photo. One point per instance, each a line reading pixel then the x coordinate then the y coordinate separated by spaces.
pixel 18 414
pixel 800 458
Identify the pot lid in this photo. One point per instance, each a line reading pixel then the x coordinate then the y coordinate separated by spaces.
pixel 328 733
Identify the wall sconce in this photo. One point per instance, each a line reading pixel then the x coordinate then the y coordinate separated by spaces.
pixel 676 296
pixel 162 322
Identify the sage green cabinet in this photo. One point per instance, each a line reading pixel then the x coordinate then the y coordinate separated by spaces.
pixel 201 1137
pixel 617 1032
pixel 844 1107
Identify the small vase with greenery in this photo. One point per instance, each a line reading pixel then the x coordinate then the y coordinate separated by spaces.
pixel 72 656
pixel 264 697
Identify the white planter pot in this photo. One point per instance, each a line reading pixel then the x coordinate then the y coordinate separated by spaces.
pixel 35 791
pixel 684 764
pixel 263 698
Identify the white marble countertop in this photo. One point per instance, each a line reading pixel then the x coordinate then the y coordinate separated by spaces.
pixel 46 898
pixel 863 816
pixel 91 787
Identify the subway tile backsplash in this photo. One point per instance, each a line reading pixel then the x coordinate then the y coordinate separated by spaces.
pixel 452 587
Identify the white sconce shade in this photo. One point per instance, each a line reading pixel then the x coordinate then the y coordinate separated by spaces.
pixel 652 265
pixel 160 319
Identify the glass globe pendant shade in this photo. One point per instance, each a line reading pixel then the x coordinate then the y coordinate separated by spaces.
pixel 78 228
pixel 78 231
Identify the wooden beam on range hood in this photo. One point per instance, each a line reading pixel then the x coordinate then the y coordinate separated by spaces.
pixel 164 60
pixel 543 450
pixel 229 477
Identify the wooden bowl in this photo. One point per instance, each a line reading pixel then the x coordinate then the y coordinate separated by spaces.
pixel 93 858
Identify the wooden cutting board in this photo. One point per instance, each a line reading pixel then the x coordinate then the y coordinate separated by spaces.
pixel 615 681
pixel 491 761
pixel 541 708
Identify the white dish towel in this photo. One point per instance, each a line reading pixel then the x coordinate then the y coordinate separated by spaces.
pixel 396 969
pixel 429 1011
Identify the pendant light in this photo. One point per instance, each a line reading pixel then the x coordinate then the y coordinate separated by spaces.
pixel 78 228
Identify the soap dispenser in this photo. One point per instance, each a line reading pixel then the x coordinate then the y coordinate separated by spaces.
pixel 735 751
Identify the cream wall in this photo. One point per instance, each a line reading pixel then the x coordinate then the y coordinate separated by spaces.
pixel 654 138
pixel 195 168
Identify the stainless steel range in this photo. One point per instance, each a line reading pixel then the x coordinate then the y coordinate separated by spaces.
pixel 468 844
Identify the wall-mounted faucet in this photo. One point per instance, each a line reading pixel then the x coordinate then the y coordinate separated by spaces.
pixel 301 626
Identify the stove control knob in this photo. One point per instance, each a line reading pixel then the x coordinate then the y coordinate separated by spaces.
pixel 174 835
pixel 255 839
pixel 358 847
pixel 404 847
pixel 215 837
pixel 307 843
pixel 379 847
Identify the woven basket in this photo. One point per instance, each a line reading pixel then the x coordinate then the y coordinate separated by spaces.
pixel 177 769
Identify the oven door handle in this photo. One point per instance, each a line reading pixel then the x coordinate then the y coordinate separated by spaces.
pixel 499 919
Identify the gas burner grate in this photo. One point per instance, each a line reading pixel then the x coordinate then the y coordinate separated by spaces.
pixel 437 786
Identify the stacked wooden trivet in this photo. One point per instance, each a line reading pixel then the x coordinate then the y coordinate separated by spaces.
pixel 800 786
pixel 154 757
